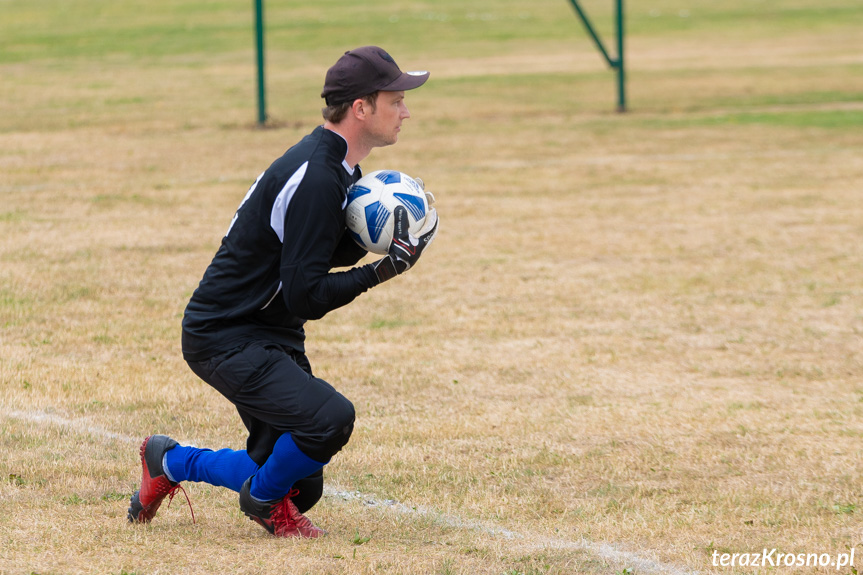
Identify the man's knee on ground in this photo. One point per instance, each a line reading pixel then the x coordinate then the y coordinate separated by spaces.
pixel 309 491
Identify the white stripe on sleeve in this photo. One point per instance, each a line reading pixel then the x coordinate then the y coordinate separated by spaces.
pixel 280 206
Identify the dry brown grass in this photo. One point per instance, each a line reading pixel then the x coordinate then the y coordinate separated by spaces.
pixel 642 331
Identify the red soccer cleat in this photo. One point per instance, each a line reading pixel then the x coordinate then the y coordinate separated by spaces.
pixel 155 485
pixel 280 517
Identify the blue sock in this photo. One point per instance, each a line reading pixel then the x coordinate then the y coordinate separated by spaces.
pixel 286 465
pixel 224 468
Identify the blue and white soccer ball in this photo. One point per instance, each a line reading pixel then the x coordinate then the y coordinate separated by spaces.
pixel 371 201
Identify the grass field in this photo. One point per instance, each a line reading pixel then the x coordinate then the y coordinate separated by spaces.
pixel 636 345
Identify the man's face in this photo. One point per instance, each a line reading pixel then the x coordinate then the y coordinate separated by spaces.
pixel 384 124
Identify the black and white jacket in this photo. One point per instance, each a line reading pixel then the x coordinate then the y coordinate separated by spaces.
pixel 272 270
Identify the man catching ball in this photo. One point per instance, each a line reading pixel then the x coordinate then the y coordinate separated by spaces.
pixel 243 328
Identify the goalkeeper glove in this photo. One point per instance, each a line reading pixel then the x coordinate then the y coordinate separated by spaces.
pixel 405 248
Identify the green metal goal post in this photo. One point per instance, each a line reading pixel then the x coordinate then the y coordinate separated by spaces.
pixel 614 63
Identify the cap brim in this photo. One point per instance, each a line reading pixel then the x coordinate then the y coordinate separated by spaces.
pixel 407 81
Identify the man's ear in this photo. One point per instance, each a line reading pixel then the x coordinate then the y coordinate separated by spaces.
pixel 359 108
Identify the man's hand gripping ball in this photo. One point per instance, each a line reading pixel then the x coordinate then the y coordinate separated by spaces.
pixel 406 248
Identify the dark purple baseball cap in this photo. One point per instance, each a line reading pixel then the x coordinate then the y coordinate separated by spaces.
pixel 364 71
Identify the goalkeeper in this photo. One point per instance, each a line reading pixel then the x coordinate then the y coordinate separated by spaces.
pixel 243 328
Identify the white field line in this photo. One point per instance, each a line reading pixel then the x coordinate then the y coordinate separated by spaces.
pixel 76 425
pixel 605 551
